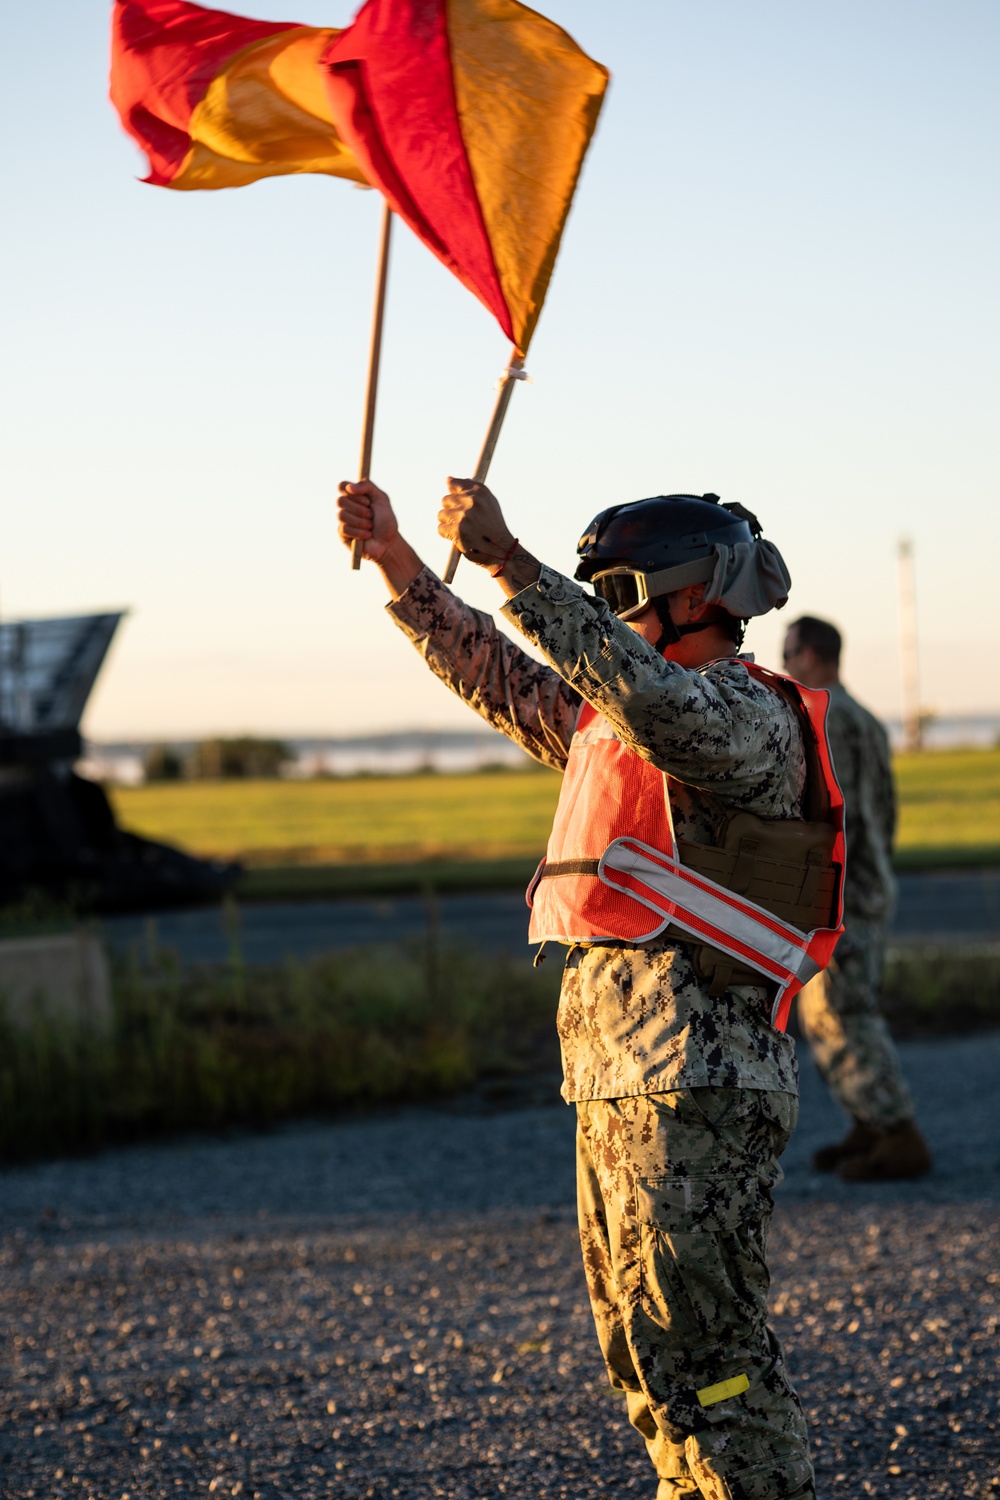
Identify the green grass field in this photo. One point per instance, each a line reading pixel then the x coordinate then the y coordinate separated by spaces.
pixel 949 798
pixel 493 815
pixel 949 814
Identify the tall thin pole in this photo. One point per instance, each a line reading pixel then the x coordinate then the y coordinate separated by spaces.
pixel 913 736
pixel 505 390
pixel 374 356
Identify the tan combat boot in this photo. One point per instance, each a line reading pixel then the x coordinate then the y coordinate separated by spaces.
pixel 898 1153
pixel 858 1141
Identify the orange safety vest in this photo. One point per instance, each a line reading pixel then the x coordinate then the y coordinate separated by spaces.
pixel 614 824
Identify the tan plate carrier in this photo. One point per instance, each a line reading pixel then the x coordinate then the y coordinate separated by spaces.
pixel 783 864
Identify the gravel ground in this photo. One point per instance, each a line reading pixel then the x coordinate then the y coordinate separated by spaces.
pixel 394 1307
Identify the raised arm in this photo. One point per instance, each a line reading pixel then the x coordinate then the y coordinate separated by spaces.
pixel 714 727
pixel 364 512
pixel 525 700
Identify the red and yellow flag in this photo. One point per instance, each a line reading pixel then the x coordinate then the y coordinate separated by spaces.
pixel 218 101
pixel 471 116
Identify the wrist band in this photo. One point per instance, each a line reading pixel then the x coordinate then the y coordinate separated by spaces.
pixel 495 572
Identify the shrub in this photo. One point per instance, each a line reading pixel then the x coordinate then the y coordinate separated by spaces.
pixel 240 758
pixel 162 763
pixel 934 991
pixel 209 1048
pixel 213 1048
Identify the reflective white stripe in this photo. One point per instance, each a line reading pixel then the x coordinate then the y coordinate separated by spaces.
pixel 688 904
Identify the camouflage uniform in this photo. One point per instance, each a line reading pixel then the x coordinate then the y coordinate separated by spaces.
pixel 839 1010
pixel 684 1102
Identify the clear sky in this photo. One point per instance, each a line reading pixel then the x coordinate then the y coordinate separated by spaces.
pixel 779 282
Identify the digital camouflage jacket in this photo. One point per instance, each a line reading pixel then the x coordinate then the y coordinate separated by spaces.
pixel 860 749
pixel 632 1020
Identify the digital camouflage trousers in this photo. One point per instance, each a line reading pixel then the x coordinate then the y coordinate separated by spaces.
pixel 674 1195
pixel 847 1034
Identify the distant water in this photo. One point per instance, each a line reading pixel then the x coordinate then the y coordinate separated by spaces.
pixel 400 754
pixel 977 731
pixel 454 751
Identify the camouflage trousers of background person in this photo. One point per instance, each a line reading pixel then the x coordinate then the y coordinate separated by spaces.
pixel 674 1194
pixel 847 1034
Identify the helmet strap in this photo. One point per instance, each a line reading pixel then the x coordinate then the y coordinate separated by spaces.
pixel 672 632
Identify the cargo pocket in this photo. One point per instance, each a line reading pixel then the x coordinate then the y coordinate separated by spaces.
pixel 794 1477
pixel 702 1275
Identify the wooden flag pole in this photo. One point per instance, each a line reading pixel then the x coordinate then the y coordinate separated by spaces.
pixel 374 354
pixel 504 392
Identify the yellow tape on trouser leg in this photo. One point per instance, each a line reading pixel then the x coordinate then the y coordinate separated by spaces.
pixel 710 1394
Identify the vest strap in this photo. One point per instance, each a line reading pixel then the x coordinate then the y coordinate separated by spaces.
pixel 743 930
pixel 569 867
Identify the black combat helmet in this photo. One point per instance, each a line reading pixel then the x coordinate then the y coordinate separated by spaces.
pixel 637 554
pixel 642 549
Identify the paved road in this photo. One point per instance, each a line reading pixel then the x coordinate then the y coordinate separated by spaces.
pixel 959 907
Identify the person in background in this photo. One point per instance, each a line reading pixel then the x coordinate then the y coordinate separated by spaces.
pixel 839 1010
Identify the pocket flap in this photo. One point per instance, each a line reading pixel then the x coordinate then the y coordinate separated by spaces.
pixel 688 1205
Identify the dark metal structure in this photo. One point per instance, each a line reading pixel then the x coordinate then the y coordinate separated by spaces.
pixel 58 834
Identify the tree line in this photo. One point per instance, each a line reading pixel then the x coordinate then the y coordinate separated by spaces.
pixel 218 759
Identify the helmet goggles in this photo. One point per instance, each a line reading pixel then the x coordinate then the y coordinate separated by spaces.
pixel 630 591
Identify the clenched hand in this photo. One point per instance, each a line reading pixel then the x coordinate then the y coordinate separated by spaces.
pixel 471 519
pixel 364 511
